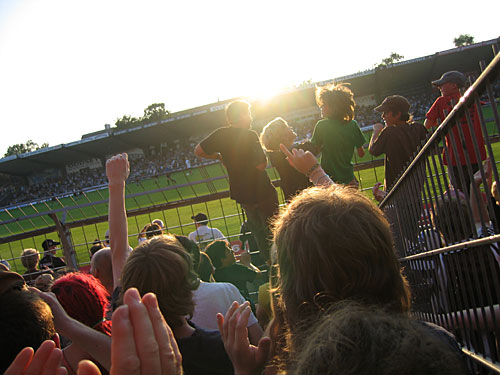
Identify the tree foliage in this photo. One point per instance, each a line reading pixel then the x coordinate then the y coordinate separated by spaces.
pixel 22 148
pixel 153 112
pixel 388 61
pixel 126 122
pixel 463 40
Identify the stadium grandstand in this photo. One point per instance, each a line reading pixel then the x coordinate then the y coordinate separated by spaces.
pixel 162 147
pixel 60 192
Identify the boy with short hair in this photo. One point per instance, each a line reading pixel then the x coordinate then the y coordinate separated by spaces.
pixel 450 84
pixel 398 140
pixel 240 150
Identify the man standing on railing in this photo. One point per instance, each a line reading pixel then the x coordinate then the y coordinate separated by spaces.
pixel 240 151
pixel 398 140
pixel 450 84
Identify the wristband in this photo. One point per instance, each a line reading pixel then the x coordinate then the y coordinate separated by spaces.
pixel 312 169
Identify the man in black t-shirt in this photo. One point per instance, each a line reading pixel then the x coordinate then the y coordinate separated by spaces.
pixel 240 151
pixel 399 140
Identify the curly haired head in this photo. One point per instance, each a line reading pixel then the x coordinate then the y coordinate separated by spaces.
pixel 339 100
pixel 274 133
pixel 84 298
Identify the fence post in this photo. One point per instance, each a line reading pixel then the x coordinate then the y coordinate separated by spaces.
pixel 65 236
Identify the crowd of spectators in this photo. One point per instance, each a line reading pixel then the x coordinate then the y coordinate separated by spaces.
pixel 359 297
pixel 337 302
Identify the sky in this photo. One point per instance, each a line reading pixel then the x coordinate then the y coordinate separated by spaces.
pixel 68 67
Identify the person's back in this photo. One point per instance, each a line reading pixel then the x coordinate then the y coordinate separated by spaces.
pixel 449 85
pixel 338 134
pixel 240 151
pixel 410 137
pixel 162 266
pixel 399 139
pixel 203 234
pixel 338 141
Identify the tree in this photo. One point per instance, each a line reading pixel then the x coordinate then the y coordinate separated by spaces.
pixel 155 112
pixel 22 148
pixel 393 58
pixel 463 40
pixel 126 122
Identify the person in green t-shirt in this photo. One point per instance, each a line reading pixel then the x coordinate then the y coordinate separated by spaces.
pixel 338 134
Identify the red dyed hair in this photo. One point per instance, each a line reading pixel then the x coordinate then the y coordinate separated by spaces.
pixel 85 299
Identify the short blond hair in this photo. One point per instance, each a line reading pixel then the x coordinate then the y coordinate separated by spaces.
pixel 30 258
pixel 272 134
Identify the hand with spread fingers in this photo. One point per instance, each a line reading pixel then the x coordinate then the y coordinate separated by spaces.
pixel 143 343
pixel 247 359
pixel 46 361
pixel 301 160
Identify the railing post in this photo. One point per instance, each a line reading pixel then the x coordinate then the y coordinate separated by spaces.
pixel 65 236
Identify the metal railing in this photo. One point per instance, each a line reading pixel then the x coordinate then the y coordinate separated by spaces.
pixel 445 219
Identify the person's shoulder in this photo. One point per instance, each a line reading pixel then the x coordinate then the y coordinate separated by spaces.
pixel 323 122
pixel 203 335
pixel 220 131
pixel 440 333
pixel 218 287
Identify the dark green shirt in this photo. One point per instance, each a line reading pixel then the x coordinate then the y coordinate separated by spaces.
pixel 238 275
pixel 337 140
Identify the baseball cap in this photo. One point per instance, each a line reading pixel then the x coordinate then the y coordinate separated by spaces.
pixel 453 76
pixel 49 243
pixel 159 222
pixel 394 103
pixel 199 217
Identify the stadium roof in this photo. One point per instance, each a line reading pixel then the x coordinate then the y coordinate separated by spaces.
pixel 378 82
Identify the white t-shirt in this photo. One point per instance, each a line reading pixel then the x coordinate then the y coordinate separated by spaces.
pixel 213 298
pixel 205 233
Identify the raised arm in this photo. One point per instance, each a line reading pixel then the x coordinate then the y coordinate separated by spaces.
pixel 117 171
pixel 95 343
